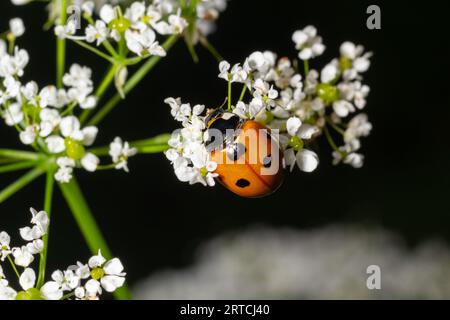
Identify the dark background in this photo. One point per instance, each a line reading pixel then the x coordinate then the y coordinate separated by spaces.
pixel 153 221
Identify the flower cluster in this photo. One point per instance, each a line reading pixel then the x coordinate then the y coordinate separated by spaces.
pixel 138 26
pixel 45 118
pixel 80 281
pixel 191 161
pixel 303 107
pixel 208 12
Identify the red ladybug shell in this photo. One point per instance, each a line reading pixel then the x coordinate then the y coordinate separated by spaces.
pixel 253 171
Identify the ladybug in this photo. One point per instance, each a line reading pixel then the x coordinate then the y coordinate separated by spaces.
pixel 250 161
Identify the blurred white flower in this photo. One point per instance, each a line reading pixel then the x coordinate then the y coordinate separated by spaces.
pixel 323 263
pixel 120 151
pixel 17 27
pixel 308 43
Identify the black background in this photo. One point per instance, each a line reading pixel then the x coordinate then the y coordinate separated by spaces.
pixel 152 221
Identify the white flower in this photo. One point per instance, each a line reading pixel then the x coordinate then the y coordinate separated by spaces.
pixel 92 289
pixel 78 76
pixel 249 111
pixel 66 280
pixel 237 73
pixel 358 126
pixel 41 221
pixel 5 249
pixel 175 25
pixel 360 61
pixel 55 144
pixel 342 108
pixel 51 290
pixel 356 160
pixel 17 27
pixel 67 31
pixel 98 32
pixel 28 136
pixel 81 270
pixel 261 62
pixel 90 162
pixel 27 279
pixel 64 173
pixel 88 7
pixel 13 115
pixel 143 43
pixel 107 13
pixel 120 152
pixel 114 276
pixel 35 246
pixel 51 96
pixel 89 135
pixel 22 256
pixel 295 127
pixel 306 160
pixel 110 273
pixel 50 119
pixel 15 64
pixel 309 44
pixel 329 73
pixel 70 127
pixel 265 92
pixel 20 2
pixel 180 112
pixel 135 12
pixel 347 154
pixel 6 292
pixel 354 92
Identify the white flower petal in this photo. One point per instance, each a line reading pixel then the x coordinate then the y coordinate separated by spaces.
pixel 27 279
pixel 51 291
pixel 292 125
pixel 307 160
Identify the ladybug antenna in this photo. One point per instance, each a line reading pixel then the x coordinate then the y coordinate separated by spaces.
pixel 223 103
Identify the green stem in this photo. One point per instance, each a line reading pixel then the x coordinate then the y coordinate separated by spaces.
pixel 153 145
pixel 191 50
pixel 21 182
pixel 244 90
pixel 61 48
pixel 88 226
pixel 330 139
pixel 13 265
pixel 110 48
pixel 104 85
pixel 94 50
pixel 17 166
pixel 306 68
pixel 49 187
pixel 153 149
pixel 159 139
pixel 334 126
pixel 8 161
pixel 68 296
pixel 206 44
pixel 19 155
pixel 132 82
pixel 229 95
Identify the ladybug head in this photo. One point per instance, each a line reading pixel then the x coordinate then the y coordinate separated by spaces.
pixel 213 114
pixel 226 123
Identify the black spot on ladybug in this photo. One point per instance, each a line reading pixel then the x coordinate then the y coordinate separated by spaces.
pixel 235 151
pixel 242 183
pixel 267 161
